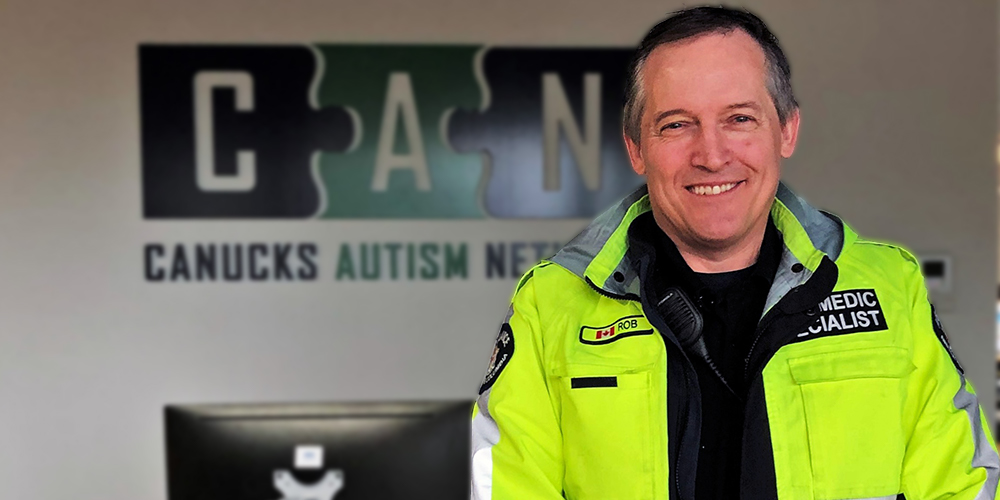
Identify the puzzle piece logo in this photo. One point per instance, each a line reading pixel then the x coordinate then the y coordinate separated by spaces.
pixel 228 131
pixel 552 132
pixel 402 165
pixel 381 131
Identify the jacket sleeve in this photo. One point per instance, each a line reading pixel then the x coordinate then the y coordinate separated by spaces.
pixel 516 440
pixel 950 453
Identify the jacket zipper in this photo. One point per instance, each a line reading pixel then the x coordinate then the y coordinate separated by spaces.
pixel 772 314
pixel 682 422
pixel 763 325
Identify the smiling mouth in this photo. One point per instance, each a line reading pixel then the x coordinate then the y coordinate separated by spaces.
pixel 713 189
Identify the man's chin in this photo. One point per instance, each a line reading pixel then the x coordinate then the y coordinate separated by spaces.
pixel 717 237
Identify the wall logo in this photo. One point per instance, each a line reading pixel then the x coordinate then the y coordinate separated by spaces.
pixel 381 131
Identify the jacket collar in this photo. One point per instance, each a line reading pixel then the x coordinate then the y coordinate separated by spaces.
pixel 599 253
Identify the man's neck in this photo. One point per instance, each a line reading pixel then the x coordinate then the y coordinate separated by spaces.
pixel 724 258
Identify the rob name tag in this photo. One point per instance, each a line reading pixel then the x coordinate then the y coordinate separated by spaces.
pixel 848 311
pixel 629 326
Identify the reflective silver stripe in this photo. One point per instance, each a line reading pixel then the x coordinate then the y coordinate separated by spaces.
pixel 826 234
pixel 983 456
pixel 485 434
pixel 890 497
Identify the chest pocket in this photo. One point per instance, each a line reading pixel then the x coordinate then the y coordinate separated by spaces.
pixel 853 403
pixel 606 434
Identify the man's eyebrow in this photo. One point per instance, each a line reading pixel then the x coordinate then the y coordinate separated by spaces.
pixel 672 112
pixel 749 104
pixel 680 111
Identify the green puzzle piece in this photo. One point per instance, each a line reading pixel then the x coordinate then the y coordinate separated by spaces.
pixel 441 78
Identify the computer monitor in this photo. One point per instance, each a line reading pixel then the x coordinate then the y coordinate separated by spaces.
pixel 357 451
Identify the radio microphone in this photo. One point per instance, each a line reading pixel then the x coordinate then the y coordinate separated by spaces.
pixel 687 323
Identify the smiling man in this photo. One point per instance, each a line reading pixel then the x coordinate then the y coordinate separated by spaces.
pixel 713 336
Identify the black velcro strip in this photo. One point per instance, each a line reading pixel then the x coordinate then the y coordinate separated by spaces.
pixel 587 382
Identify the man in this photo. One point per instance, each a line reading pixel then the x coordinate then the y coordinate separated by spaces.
pixel 716 337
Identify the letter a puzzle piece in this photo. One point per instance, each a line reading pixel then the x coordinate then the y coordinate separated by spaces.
pixel 551 131
pixel 401 166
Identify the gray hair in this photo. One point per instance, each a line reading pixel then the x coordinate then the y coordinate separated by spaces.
pixel 692 22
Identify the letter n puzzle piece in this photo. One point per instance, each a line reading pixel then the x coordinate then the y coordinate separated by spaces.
pixel 552 131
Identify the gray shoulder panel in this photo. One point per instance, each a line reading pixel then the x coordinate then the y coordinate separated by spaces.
pixel 825 231
pixel 579 252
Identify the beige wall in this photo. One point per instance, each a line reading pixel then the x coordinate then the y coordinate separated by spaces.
pixel 899 127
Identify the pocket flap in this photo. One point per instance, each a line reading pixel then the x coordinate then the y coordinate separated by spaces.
pixel 874 362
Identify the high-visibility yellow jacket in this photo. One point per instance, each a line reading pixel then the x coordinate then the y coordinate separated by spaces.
pixel 853 390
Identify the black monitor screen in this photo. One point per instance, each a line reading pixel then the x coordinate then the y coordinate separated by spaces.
pixel 360 451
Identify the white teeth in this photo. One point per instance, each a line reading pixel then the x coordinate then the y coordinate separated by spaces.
pixel 712 190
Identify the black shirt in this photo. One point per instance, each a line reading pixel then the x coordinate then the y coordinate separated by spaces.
pixel 731 304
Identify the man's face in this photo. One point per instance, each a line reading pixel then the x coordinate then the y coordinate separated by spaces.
pixel 710 142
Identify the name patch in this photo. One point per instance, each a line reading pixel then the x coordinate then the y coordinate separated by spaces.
pixel 847 311
pixel 629 326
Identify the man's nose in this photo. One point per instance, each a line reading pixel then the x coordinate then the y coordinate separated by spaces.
pixel 711 150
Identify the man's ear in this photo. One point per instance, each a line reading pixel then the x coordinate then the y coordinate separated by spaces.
pixel 790 134
pixel 634 155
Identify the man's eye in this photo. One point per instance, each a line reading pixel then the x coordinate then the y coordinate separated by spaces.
pixel 673 126
pixel 742 119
